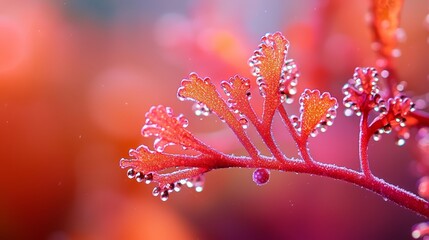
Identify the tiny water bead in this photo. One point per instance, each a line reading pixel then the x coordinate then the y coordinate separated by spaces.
pixel 244 122
pixel 261 176
pixel 295 121
pixel 156 191
pixel 376 136
pixel 148 178
pixel 362 91
pixel 139 177
pixel 177 187
pixel 164 195
pixel 131 173
pixel 164 190
pixel 400 142
pixel 288 81
pixel 314 133
pixel 197 183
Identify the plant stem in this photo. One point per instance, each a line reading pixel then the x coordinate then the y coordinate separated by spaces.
pixel 301 142
pixel 364 137
pixel 374 184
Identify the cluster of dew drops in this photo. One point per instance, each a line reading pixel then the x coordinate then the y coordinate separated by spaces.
pixel 288 78
pixel 164 191
pixel 379 104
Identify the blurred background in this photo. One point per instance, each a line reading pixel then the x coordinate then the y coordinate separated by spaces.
pixel 77 77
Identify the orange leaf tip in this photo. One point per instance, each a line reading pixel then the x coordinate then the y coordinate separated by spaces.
pixel 168 129
pixel 317 112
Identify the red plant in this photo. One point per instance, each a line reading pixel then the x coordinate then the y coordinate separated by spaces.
pixel 277 78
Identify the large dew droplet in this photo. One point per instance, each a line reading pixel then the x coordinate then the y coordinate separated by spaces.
pixel 261 176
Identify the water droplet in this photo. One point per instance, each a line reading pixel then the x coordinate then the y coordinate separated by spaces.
pixel 314 133
pixel 249 95
pixel 382 110
pixel 376 136
pixel 131 173
pixel 332 114
pixel 244 123
pixel 289 100
pixel 256 71
pixel 177 186
pixel 139 177
pixel 169 187
pixel 164 195
pixel 183 121
pixel 148 177
pixel 199 183
pixel 412 107
pixel 262 89
pixel 189 184
pixel 292 90
pixel 323 127
pixel 295 120
pixel 199 188
pixel 347 103
pixel 156 191
pixel 261 176
pixel 387 128
pixel 400 142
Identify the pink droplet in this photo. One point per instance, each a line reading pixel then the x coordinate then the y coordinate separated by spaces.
pixel 261 176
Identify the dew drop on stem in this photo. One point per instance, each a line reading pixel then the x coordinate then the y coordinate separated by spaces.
pixel 140 177
pixel 376 136
pixel 177 187
pixel 148 177
pixel 164 195
pixel 156 191
pixel 131 173
pixel 261 176
pixel 244 123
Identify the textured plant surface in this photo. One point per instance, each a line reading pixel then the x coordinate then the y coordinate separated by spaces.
pixel 374 94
